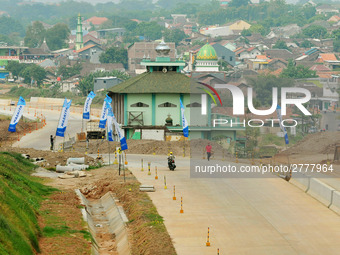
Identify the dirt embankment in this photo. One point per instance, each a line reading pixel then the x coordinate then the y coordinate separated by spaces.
pixel 147 232
pixel 196 146
pixel 317 143
pixel 314 148
pixel 8 138
pixel 51 159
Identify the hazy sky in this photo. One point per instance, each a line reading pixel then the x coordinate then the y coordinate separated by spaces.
pixel 105 1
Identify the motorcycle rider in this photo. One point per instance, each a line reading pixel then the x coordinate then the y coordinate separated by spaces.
pixel 171 160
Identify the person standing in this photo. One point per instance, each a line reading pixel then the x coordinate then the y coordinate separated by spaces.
pixel 52 142
pixel 208 148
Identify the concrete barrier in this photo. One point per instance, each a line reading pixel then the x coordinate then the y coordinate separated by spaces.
pixel 321 191
pixel 116 223
pixel 335 206
pixel 301 181
pixel 87 216
pixel 114 216
pixel 5 101
pixel 47 100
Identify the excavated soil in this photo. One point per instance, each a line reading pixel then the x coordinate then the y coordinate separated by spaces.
pixel 152 147
pixel 317 143
pixel 147 233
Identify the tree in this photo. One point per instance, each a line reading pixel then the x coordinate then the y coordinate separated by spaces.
pixel 174 35
pixel 6 39
pixel 260 29
pixel 306 44
pixel 9 25
pixel 86 84
pixel 336 45
pixel 33 73
pixel 315 31
pixel 15 67
pixel 280 45
pixel 149 30
pixel 69 71
pixel 114 55
pixel 297 72
pixel 35 35
pixel 246 32
pixel 264 84
pixel 56 36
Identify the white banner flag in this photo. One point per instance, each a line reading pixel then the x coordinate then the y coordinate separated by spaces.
pixel 19 110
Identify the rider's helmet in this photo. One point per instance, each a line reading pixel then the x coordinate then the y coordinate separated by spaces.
pixel 170 152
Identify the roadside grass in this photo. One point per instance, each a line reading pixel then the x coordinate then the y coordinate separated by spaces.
pixel 62 225
pixel 20 198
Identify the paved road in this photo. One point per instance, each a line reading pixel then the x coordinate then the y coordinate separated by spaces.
pixel 40 139
pixel 245 216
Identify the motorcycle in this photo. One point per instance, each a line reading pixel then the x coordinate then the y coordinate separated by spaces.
pixel 171 164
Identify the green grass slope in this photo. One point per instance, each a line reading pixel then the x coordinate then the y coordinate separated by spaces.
pixel 20 197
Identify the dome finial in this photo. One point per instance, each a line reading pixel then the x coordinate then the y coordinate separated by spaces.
pixel 162 49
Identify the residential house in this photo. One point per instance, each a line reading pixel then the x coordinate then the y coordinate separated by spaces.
pixel 91 40
pixel 238 26
pixel 104 83
pixel 322 23
pixel 247 53
pixel 284 31
pixel 88 67
pixel 224 53
pixel 334 18
pixel 255 39
pixel 47 63
pixel 179 18
pixel 279 53
pixel 37 55
pixel 326 9
pixel 214 31
pixel 141 50
pixel 93 21
pixel 321 70
pixel 90 53
pixel 308 57
pixel 262 62
pixel 70 85
pixel 211 78
pixel 329 60
pixel 111 32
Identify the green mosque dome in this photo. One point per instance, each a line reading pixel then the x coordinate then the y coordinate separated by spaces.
pixel 207 52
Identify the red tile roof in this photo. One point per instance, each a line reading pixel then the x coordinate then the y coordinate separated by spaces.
pixel 326 57
pixel 261 57
pixel 97 20
pixel 319 68
pixel 85 48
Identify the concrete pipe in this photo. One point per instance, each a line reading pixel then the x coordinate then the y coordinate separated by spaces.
pixel 62 169
pixel 76 160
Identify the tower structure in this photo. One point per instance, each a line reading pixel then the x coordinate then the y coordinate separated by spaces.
pixel 79 34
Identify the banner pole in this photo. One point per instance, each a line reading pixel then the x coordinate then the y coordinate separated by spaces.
pixel 108 145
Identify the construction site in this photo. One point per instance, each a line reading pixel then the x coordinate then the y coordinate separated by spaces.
pixel 103 201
